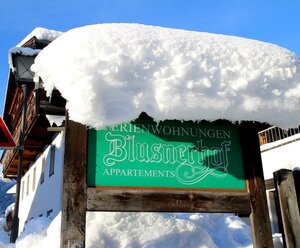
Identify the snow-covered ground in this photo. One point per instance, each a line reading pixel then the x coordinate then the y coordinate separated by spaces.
pixel 147 230
pixel 166 230
pixel 116 230
pixel 40 232
pixel 155 230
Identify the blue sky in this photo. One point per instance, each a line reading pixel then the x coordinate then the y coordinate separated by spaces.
pixel 274 21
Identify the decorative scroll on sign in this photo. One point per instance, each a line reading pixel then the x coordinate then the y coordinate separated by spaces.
pixel 169 154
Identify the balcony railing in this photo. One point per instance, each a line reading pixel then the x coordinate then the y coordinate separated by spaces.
pixel 273 134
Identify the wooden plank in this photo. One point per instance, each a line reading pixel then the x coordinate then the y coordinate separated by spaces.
pixel 259 217
pixel 99 199
pixel 287 195
pixel 74 186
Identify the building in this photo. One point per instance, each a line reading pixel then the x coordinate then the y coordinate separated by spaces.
pixel 279 150
pixel 41 179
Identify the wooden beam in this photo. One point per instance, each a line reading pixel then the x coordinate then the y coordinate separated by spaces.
pixel 74 186
pixel 48 109
pixel 99 199
pixel 259 217
pixel 56 129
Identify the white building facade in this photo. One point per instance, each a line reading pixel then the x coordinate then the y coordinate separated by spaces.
pixel 41 186
pixel 282 153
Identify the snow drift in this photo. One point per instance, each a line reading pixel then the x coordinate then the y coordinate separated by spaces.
pixel 110 73
pixel 117 230
pixel 150 230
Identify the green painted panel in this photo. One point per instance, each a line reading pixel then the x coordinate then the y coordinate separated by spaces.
pixel 169 154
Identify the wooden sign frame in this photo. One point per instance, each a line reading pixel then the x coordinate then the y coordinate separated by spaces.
pixel 78 198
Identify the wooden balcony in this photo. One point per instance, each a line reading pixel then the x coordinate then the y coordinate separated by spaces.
pixel 36 134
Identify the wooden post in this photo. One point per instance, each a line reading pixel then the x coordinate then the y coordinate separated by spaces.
pixel 74 186
pixel 296 174
pixel 285 187
pixel 259 217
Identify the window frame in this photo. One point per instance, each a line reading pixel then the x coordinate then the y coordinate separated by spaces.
pixel 43 170
pixel 52 160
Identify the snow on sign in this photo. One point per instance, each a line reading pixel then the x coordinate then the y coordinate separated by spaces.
pixel 6 140
pixel 121 70
pixel 171 154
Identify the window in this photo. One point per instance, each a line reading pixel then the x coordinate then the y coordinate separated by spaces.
pixel 23 186
pixel 43 170
pixel 28 182
pixel 33 179
pixel 52 161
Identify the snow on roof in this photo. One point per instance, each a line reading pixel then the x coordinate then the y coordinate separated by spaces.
pixel 110 73
pixel 41 34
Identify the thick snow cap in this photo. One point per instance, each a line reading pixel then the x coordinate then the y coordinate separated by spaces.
pixel 110 73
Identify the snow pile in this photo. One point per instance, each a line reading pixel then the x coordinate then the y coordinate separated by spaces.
pixel 166 230
pixel 110 73
pixel 40 232
pixel 117 230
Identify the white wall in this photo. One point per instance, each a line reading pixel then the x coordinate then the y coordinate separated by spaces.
pixel 282 154
pixel 46 196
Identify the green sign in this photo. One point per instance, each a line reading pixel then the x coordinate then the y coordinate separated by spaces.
pixel 169 154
